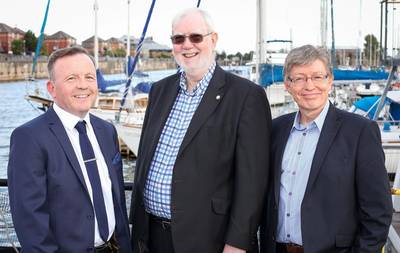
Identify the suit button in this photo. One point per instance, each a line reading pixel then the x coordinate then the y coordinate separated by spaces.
pixel 273 238
pixel 89 216
pixel 275 207
pixel 89 249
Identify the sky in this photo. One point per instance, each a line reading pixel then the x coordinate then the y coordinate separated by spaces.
pixel 235 20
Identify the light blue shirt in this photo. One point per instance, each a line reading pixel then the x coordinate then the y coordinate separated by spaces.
pixel 157 194
pixel 295 170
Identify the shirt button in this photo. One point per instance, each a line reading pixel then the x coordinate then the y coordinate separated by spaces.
pixel 294 173
pixel 299 153
pixel 304 134
pixel 290 193
pixel 288 235
pixel 288 214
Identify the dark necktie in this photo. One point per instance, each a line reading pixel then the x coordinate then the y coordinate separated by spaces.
pixel 93 173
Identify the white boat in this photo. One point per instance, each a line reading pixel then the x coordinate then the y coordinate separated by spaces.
pixel 129 127
pixel 129 121
pixel 369 89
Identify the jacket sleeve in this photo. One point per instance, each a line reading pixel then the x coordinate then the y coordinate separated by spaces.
pixel 27 184
pixel 251 169
pixel 373 191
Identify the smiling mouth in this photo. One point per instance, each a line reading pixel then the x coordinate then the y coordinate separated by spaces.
pixel 81 96
pixel 190 55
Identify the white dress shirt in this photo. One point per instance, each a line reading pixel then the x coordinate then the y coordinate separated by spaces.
pixel 69 121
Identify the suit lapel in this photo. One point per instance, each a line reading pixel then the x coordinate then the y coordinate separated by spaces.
pixel 106 150
pixel 283 138
pixel 329 130
pixel 57 128
pixel 211 98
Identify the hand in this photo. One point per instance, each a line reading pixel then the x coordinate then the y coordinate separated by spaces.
pixel 231 249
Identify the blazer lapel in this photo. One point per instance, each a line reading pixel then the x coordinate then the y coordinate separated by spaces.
pixel 211 98
pixel 329 130
pixel 107 153
pixel 283 138
pixel 58 130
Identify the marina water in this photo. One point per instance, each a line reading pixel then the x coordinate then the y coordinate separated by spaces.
pixel 15 110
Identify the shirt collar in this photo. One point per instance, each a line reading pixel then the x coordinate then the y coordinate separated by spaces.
pixel 317 122
pixel 69 120
pixel 201 86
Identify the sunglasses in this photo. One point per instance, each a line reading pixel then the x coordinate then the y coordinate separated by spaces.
pixel 193 37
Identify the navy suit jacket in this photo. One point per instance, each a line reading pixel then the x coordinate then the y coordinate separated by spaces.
pixel 347 204
pixel 221 170
pixel 50 204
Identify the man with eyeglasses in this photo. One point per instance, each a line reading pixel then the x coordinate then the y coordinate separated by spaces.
pixel 203 158
pixel 329 188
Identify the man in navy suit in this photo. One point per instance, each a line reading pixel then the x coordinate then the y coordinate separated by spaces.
pixel 202 167
pixel 65 171
pixel 329 187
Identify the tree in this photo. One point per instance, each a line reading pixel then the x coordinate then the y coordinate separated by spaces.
pixel 17 46
pixel 43 50
pixel 221 56
pixel 371 47
pixel 247 57
pixel 30 42
pixel 119 52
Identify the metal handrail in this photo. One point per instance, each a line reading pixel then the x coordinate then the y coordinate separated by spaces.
pixel 128 186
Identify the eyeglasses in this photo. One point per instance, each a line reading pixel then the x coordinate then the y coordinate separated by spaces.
pixel 193 37
pixel 302 80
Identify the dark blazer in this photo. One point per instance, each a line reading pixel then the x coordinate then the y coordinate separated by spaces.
pixel 50 204
pixel 221 171
pixel 347 205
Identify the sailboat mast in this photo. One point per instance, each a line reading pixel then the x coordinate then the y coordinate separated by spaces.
pixel 324 23
pixel 261 22
pixel 128 40
pixel 333 50
pixel 96 40
pixel 359 38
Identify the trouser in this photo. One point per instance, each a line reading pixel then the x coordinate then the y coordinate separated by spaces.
pixel 160 235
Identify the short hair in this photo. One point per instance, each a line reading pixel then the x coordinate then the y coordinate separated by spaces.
pixel 63 52
pixel 206 16
pixel 305 55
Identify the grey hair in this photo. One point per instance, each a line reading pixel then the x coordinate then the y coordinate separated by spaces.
pixel 306 55
pixel 206 16
pixel 64 52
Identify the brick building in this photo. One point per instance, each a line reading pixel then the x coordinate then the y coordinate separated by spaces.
pixel 88 44
pixel 58 40
pixel 7 36
pixel 150 48
pixel 114 44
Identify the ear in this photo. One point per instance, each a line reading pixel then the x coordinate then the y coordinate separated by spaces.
pixel 287 85
pixel 330 80
pixel 51 89
pixel 214 38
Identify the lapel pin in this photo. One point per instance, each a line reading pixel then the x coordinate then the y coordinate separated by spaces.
pixel 218 97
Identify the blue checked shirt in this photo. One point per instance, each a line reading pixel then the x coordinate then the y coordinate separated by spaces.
pixel 296 167
pixel 157 193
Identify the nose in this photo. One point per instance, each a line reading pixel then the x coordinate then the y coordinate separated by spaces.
pixel 309 85
pixel 187 43
pixel 82 83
